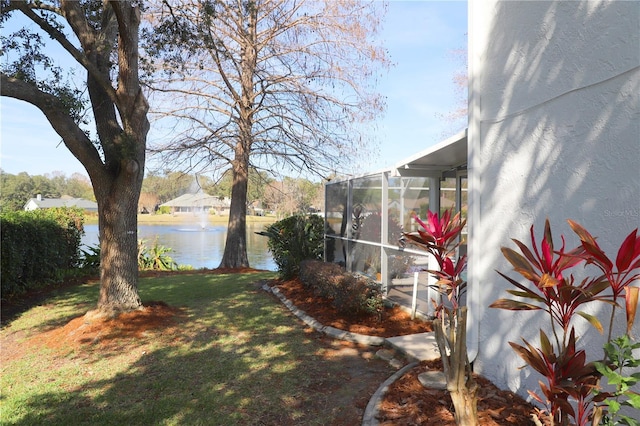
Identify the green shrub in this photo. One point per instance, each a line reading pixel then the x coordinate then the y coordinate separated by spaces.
pixel 155 257
pixel 38 247
pixel 293 240
pixel 357 294
pixel 348 293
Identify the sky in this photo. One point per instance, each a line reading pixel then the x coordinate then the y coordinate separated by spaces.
pixel 421 37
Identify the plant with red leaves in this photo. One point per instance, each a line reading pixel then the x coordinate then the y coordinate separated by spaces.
pixel 439 236
pixel 569 376
pixel 618 277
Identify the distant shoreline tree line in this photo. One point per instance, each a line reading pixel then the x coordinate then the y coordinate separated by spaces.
pixel 18 189
pixel 285 197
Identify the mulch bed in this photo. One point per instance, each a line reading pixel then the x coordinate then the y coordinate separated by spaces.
pixel 392 322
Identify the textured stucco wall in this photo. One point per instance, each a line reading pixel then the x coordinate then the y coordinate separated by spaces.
pixel 554 132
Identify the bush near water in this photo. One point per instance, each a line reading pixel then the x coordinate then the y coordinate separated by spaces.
pixel 38 248
pixel 297 245
pixel 294 239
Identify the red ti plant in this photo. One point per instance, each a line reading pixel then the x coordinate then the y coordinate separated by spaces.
pixel 569 376
pixel 620 275
pixel 439 236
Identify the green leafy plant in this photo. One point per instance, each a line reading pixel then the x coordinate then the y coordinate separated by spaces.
pixel 571 382
pixel 440 237
pixel 619 355
pixel 155 257
pixel 294 239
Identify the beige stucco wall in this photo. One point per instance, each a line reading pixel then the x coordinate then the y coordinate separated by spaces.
pixel 554 132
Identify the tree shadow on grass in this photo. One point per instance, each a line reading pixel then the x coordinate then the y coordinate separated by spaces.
pixel 247 363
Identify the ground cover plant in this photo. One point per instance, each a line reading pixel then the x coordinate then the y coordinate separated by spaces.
pixel 216 350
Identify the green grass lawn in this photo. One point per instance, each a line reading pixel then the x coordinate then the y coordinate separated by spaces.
pixel 233 358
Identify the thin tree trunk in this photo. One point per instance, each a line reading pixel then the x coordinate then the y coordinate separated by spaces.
pixel 452 343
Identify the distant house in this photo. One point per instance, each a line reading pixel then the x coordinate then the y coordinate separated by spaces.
pixel 65 201
pixel 198 203
pixel 256 209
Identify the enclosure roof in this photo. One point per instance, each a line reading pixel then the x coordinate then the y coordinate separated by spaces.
pixel 450 154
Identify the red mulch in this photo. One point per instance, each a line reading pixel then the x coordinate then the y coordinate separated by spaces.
pixel 407 403
pixel 392 322
pixel 106 332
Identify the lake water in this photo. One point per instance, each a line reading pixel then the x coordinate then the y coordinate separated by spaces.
pixel 197 246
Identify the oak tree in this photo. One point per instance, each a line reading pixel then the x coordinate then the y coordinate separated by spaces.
pixel 271 85
pixel 101 38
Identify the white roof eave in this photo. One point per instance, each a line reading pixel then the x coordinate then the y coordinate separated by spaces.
pixel 447 155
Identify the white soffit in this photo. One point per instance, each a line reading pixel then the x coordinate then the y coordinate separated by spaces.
pixel 446 155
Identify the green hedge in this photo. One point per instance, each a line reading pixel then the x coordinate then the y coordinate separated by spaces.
pixel 293 240
pixel 38 247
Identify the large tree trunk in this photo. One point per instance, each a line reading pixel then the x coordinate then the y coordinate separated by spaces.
pixel 118 223
pixel 119 181
pixel 235 248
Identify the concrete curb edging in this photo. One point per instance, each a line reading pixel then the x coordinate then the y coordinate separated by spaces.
pixel 370 413
pixel 328 330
